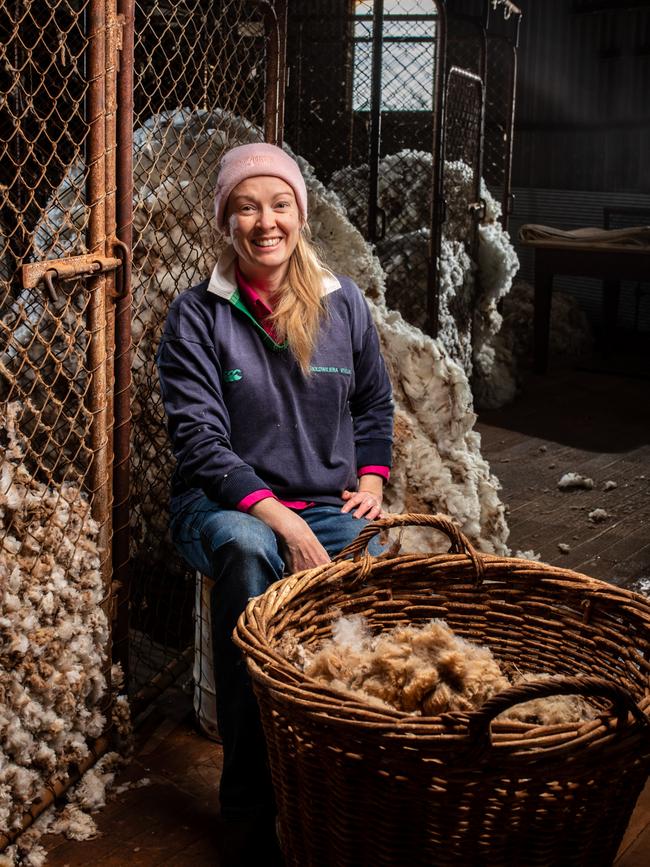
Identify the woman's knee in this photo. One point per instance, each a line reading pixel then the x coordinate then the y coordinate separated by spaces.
pixel 238 541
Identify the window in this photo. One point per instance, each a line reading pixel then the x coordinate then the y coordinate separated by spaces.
pixel 408 54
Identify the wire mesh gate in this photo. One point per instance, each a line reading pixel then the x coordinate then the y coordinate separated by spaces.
pixel 61 271
pixel 97 93
pixel 483 40
pixel 391 107
pixel 370 121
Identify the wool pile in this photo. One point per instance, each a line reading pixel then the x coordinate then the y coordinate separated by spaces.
pixel 471 281
pixel 53 631
pixel 438 464
pixel 73 816
pixel 422 670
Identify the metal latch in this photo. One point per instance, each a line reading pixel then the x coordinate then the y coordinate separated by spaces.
pixel 52 270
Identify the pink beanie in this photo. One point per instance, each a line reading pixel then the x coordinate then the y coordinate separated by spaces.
pixel 251 160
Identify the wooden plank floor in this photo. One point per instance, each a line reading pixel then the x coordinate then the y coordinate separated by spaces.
pixel 592 424
pixel 587 423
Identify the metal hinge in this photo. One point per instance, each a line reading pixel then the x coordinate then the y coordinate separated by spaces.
pixel 72 267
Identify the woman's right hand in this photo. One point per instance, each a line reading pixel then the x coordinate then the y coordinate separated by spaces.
pixel 301 548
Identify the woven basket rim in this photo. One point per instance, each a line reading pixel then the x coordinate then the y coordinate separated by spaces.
pixel 272 670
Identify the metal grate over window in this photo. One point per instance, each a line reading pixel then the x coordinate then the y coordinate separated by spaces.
pixel 409 45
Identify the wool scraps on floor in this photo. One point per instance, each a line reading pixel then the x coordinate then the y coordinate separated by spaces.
pixel 424 670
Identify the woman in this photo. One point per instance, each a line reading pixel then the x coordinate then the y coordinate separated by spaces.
pixel 280 413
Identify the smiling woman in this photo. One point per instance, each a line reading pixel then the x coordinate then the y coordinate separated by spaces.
pixel 280 413
pixel 263 222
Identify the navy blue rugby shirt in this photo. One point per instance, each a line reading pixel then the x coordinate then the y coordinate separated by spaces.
pixel 243 417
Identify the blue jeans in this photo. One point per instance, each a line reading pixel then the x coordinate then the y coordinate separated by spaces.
pixel 243 557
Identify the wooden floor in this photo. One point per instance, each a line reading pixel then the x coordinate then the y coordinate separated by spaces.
pixel 568 421
pixel 593 424
pixel 171 821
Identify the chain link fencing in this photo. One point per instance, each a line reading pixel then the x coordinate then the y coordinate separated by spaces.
pixel 86 95
pixel 406 163
pixel 213 94
pixel 57 282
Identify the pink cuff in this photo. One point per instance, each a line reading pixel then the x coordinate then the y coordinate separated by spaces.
pixel 296 504
pixel 384 472
pixel 254 497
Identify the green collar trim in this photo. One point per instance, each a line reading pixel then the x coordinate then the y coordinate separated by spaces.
pixel 235 300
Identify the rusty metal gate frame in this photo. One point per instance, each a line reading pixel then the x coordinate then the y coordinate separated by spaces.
pixel 107 255
pixel 98 268
pixel 99 272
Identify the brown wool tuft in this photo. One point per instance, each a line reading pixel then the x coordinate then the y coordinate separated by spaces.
pixel 422 670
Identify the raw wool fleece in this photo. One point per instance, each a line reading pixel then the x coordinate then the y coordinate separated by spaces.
pixel 53 632
pixel 438 465
pixel 422 670
pixel 469 292
pixel 73 818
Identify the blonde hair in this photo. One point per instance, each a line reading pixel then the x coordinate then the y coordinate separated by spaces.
pixel 299 306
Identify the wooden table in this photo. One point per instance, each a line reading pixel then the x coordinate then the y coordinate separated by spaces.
pixel 606 262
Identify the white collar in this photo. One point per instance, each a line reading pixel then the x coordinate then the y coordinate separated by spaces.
pixel 223 281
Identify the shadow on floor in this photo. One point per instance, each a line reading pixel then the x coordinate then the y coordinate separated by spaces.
pixel 581 408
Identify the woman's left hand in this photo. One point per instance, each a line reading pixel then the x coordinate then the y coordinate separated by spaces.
pixel 367 504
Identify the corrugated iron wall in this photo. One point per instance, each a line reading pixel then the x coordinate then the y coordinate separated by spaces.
pixel 583 111
pixel 582 129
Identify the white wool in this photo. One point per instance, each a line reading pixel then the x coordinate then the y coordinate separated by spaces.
pixel 19 856
pixel 575 480
pixel 133 784
pixel 610 485
pixel 598 515
pixel 494 370
pixel 469 292
pixel 90 792
pixel 74 824
pixel 121 718
pixel 351 632
pixel 71 820
pixel 527 555
pixel 44 666
pixel 117 676
pixel 468 321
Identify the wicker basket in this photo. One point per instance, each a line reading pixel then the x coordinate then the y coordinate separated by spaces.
pixel 357 785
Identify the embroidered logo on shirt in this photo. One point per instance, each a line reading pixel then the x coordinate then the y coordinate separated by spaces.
pixel 344 370
pixel 233 375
